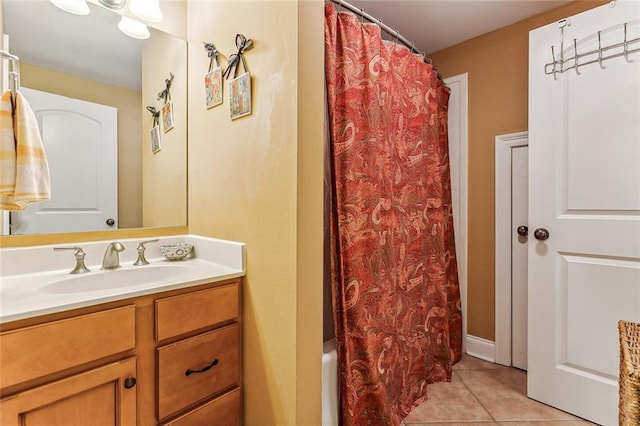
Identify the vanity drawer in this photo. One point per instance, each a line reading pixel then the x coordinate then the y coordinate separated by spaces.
pixel 222 411
pixel 32 352
pixel 185 313
pixel 194 369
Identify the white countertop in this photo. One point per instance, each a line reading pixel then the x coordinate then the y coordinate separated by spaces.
pixel 26 272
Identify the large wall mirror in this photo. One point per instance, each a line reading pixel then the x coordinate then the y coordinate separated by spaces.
pixel 90 86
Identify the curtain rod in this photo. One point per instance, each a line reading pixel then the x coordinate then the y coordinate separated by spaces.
pixel 395 33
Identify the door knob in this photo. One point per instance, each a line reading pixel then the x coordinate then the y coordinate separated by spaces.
pixel 523 230
pixel 111 222
pixel 541 234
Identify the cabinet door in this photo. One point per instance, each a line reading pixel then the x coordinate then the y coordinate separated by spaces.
pixel 98 397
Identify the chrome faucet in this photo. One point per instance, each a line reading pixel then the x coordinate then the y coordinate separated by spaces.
pixel 111 258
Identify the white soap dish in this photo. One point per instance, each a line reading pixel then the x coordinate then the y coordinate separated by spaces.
pixel 176 251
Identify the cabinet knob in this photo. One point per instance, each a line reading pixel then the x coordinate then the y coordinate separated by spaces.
pixel 129 382
pixel 523 230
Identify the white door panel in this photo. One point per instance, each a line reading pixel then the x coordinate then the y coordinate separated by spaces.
pixel 80 139
pixel 584 129
pixel 458 162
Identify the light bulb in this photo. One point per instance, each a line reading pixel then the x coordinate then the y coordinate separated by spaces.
pixel 77 7
pixel 147 10
pixel 133 28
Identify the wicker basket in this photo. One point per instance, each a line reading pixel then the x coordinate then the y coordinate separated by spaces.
pixel 629 404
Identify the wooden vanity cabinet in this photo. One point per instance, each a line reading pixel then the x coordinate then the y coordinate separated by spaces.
pixel 198 356
pixel 126 362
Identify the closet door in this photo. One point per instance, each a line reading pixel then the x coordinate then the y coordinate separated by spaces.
pixel 585 199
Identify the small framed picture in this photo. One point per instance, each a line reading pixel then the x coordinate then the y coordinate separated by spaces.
pixel 213 87
pixel 240 96
pixel 155 139
pixel 167 116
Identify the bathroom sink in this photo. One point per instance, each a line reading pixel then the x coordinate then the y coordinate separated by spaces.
pixel 115 279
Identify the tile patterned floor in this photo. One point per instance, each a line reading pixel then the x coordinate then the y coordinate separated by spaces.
pixel 482 394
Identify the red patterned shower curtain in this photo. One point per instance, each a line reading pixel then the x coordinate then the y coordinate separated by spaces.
pixel 395 285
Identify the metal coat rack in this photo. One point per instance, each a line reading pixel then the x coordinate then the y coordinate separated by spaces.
pixel 594 56
pixel 14 71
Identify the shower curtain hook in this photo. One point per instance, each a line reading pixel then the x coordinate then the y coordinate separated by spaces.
pixel 361 15
pixel 397 37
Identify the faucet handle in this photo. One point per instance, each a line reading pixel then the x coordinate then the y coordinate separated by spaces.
pixel 141 248
pixel 80 267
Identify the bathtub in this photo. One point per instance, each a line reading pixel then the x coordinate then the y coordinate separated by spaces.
pixel 329 384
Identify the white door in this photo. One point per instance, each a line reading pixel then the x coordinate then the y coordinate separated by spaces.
pixel 458 141
pixel 519 217
pixel 584 163
pixel 80 139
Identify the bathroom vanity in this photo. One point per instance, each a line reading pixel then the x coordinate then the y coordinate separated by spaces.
pixel 164 353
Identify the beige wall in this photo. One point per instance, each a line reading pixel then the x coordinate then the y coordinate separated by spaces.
pixel 164 174
pixel 128 103
pixel 310 235
pixel 258 179
pixel 497 64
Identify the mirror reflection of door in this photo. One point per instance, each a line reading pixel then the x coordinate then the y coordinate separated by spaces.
pixel 80 139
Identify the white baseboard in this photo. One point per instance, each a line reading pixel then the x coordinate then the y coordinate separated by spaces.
pixel 481 348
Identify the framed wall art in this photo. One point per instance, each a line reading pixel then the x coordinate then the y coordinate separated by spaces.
pixel 154 134
pixel 240 96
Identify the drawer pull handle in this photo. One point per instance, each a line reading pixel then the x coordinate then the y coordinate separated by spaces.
pixel 202 370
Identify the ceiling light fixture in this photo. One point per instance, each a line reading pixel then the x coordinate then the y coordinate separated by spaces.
pixel 147 10
pixel 133 28
pixel 77 7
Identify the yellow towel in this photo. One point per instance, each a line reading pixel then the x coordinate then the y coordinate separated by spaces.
pixel 7 149
pixel 30 169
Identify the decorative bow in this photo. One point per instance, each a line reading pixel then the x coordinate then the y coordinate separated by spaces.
pixel 166 94
pixel 212 53
pixel 243 44
pixel 156 115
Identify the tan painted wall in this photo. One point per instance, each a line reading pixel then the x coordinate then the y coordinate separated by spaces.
pixel 310 211
pixel 497 64
pixel 164 174
pixel 258 179
pixel 128 104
